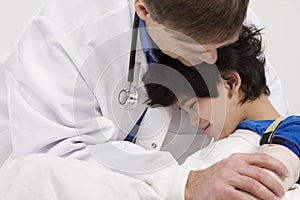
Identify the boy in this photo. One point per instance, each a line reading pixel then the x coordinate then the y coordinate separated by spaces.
pixel 239 91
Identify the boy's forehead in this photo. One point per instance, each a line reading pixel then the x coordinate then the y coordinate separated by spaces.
pixel 184 99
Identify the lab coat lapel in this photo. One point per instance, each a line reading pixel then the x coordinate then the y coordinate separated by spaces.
pixel 156 122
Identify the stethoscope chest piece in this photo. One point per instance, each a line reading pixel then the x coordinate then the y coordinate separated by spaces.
pixel 129 98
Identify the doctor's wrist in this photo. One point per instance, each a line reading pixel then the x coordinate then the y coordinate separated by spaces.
pixel 196 187
pixel 188 192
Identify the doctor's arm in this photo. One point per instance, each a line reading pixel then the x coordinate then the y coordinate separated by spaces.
pixel 53 110
pixel 51 107
pixel 225 179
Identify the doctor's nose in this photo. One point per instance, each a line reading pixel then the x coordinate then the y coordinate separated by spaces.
pixel 211 57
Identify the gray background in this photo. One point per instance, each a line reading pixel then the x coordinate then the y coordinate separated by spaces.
pixel 280 19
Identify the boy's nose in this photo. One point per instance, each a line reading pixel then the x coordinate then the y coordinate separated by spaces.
pixel 194 121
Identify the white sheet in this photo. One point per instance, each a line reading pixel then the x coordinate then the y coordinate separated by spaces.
pixel 43 177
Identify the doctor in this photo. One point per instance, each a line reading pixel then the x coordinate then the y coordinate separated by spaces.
pixel 64 76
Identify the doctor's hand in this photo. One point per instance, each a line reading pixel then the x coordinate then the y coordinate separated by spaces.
pixel 228 179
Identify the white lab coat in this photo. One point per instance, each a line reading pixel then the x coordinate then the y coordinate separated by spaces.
pixel 62 81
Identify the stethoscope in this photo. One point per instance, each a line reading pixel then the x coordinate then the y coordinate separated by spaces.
pixel 129 97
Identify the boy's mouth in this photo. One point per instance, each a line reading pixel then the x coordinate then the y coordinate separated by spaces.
pixel 206 130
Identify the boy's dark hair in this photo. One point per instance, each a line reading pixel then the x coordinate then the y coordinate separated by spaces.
pixel 246 58
pixel 206 21
pixel 163 83
pixel 170 78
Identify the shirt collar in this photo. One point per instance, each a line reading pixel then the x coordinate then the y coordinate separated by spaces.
pixel 147 43
pixel 258 126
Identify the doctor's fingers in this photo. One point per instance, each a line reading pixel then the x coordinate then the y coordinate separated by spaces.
pixel 252 187
pixel 250 178
pixel 216 183
pixel 266 161
pixel 230 193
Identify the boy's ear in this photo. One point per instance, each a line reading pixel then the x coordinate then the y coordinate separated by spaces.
pixel 232 83
pixel 141 9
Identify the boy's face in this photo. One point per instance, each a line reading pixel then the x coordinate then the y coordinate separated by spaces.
pixel 217 117
pixel 180 47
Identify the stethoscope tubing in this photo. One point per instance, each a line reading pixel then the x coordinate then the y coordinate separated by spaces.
pixel 129 97
pixel 133 48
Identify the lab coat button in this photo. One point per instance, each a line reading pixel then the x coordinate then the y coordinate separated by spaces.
pixel 153 145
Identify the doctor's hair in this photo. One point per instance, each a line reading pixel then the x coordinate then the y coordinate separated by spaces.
pixel 245 57
pixel 206 21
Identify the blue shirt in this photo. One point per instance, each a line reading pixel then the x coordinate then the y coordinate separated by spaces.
pixel 147 43
pixel 288 130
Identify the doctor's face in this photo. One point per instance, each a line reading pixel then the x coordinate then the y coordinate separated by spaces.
pixel 181 47
pixel 215 116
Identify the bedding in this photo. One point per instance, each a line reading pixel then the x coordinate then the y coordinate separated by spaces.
pixel 45 177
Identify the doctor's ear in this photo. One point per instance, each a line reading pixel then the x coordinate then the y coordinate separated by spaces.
pixel 141 9
pixel 232 82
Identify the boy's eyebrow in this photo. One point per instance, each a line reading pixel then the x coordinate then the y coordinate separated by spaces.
pixel 181 101
pixel 184 101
